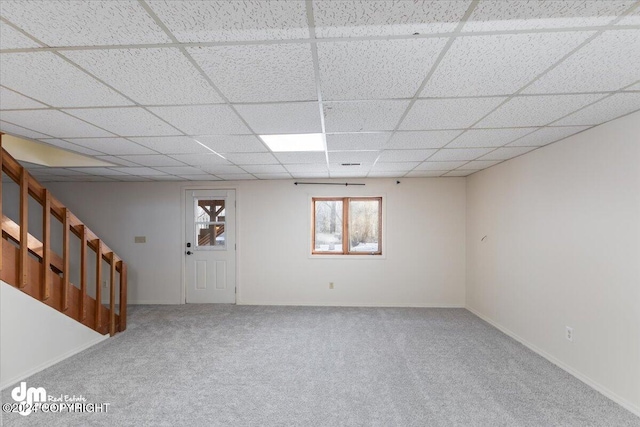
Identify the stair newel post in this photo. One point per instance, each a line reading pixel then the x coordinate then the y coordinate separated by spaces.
pixel 98 284
pixel 112 295
pixel 24 228
pixel 46 246
pixel 83 271
pixel 123 295
pixel 65 259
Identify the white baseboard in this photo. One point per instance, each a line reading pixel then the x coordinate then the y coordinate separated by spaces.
pixel 49 363
pixel 634 409
pixel 340 304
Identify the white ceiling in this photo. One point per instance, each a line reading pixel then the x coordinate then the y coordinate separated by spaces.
pixel 179 90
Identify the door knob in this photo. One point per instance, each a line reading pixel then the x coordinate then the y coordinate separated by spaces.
pixel 189 253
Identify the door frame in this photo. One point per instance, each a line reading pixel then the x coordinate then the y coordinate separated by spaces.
pixel 183 242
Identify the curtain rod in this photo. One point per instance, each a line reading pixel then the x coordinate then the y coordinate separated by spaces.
pixel 326 183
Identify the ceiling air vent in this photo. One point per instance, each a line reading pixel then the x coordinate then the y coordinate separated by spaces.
pixel 350 164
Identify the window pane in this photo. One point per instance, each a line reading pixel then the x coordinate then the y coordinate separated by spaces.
pixel 328 236
pixel 210 210
pixel 364 226
pixel 210 234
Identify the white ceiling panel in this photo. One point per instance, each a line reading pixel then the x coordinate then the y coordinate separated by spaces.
pixel 422 139
pixel 634 87
pixel 429 114
pixel 362 168
pixel 148 76
pixel 458 154
pixel 394 167
pixel 500 15
pixel 206 177
pixel 251 158
pixel 112 146
pixel 605 110
pixel 84 23
pixel 272 175
pixel 212 21
pixel 439 166
pixel 546 136
pixel 233 143
pixel 479 164
pixel 235 176
pixel 357 141
pixel 10 100
pixel 260 73
pixel 506 153
pixel 131 178
pixel 347 174
pixel 488 137
pixel 391 18
pixel 459 173
pixel 125 121
pixel 99 171
pixel 171 144
pixel 202 119
pixel 19 130
pixel 303 175
pixel 265 169
pixel 298 117
pixel 353 156
pixel 201 159
pixel 227 168
pixel 13 39
pixel 139 171
pixel 535 110
pixel 498 64
pixel 385 174
pixel 52 122
pixel 54 81
pixel 71 147
pixel 298 157
pixel 405 155
pixel 375 69
pixel 64 172
pixel 180 170
pixel 590 68
pixel 425 173
pixel 631 19
pixel 304 167
pixel 116 160
pixel 363 116
pixel 153 160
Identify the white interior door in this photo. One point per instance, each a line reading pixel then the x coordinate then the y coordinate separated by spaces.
pixel 210 255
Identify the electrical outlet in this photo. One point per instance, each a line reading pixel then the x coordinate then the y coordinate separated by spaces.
pixel 330 285
pixel 569 333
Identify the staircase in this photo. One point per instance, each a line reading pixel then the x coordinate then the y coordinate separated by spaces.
pixel 32 267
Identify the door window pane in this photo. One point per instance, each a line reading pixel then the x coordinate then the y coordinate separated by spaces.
pixel 210 210
pixel 364 225
pixel 328 226
pixel 210 223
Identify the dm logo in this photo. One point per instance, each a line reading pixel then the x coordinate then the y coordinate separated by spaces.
pixel 28 396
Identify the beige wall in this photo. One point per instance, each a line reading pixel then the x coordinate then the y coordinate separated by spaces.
pixel 563 249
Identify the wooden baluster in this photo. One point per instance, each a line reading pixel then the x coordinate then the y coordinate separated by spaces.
pixel 98 284
pixel 123 295
pixel 46 246
pixel 65 260
pixel 24 229
pixel 112 296
pixel 1 156
pixel 83 271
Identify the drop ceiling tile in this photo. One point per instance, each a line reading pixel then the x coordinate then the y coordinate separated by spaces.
pixel 363 115
pixel 422 139
pixel 634 87
pixel 52 122
pixel 348 174
pixel 171 144
pixel 631 19
pixel 69 146
pixel 180 170
pixel 212 21
pixel 265 169
pixel 535 110
pixel 148 76
pixel 360 169
pixel 429 114
pixel 546 136
pixel 425 173
pixel 298 117
pixel 99 171
pixel 116 160
pixel 235 176
pixel 590 68
pixel 605 110
pixel 14 39
pixel 19 130
pixel 379 18
pixel 353 156
pixel 498 64
pixel 499 15
pixel 479 164
pixel 140 171
pixel 202 119
pixel 303 175
pixel 200 177
pixel 165 178
pixel 488 137
pixel 299 157
pixel 10 100
pixel 54 81
pixel 357 141
pixel 385 174
pixel 506 153
pixel 394 167
pixel 233 143
pixel 302 168
pixel 153 160
pixel 125 121
pixel 222 168
pixel 458 154
pixel 377 69
pixel 64 172
pixel 260 73
pixel 111 146
pixel 405 155
pixel 84 23
pixel 200 159
pixel 131 178
pixel 459 173
pixel 251 158
pixel 272 176
pixel 439 166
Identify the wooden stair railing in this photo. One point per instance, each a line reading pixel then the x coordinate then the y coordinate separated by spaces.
pixel 32 267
